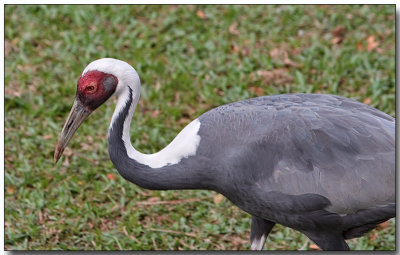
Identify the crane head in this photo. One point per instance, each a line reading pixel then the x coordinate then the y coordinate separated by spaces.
pixel 100 80
pixel 93 89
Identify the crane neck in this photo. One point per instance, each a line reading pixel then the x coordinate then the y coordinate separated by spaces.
pixel 123 113
pixel 166 169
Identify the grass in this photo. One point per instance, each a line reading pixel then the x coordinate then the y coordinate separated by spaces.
pixel 190 59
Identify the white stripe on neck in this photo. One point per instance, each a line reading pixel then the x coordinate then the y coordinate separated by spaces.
pixel 184 145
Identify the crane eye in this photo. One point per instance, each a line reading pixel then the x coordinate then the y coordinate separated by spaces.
pixel 91 88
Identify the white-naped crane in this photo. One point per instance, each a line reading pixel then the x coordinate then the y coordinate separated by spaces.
pixel 321 164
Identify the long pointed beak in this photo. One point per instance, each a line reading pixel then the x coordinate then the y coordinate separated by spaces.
pixel 76 116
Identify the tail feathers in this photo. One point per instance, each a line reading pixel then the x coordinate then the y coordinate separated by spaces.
pixel 363 221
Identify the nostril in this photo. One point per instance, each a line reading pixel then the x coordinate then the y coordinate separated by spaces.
pixel 70 123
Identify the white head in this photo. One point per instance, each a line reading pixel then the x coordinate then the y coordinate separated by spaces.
pixel 100 80
pixel 125 74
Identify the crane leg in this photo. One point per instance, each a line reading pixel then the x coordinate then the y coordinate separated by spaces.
pixel 260 229
pixel 329 241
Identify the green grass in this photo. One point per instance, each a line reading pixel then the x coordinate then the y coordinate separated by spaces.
pixel 190 59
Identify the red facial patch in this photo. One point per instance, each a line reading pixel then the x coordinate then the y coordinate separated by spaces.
pixel 89 83
pixel 91 89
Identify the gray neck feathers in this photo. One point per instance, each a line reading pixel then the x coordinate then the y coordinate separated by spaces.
pixel 176 176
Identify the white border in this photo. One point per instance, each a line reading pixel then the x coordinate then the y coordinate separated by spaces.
pixel 136 2
pixel 203 2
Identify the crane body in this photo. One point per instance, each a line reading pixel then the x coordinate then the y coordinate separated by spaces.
pixel 321 164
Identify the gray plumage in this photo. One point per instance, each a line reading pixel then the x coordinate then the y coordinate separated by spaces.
pixel 306 143
pixel 320 164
